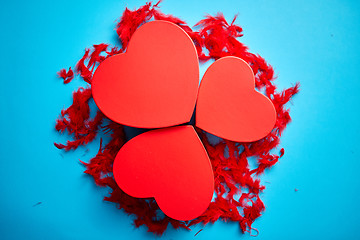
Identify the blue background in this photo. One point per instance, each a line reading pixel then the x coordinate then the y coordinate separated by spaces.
pixel 315 43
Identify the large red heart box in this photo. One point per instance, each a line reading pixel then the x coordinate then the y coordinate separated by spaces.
pixel 171 165
pixel 154 84
pixel 228 105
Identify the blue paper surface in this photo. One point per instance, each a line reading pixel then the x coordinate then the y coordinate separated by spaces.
pixel 45 195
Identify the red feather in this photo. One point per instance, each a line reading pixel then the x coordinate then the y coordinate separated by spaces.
pixel 237 187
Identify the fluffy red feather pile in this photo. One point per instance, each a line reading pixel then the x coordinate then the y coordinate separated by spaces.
pixel 237 187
